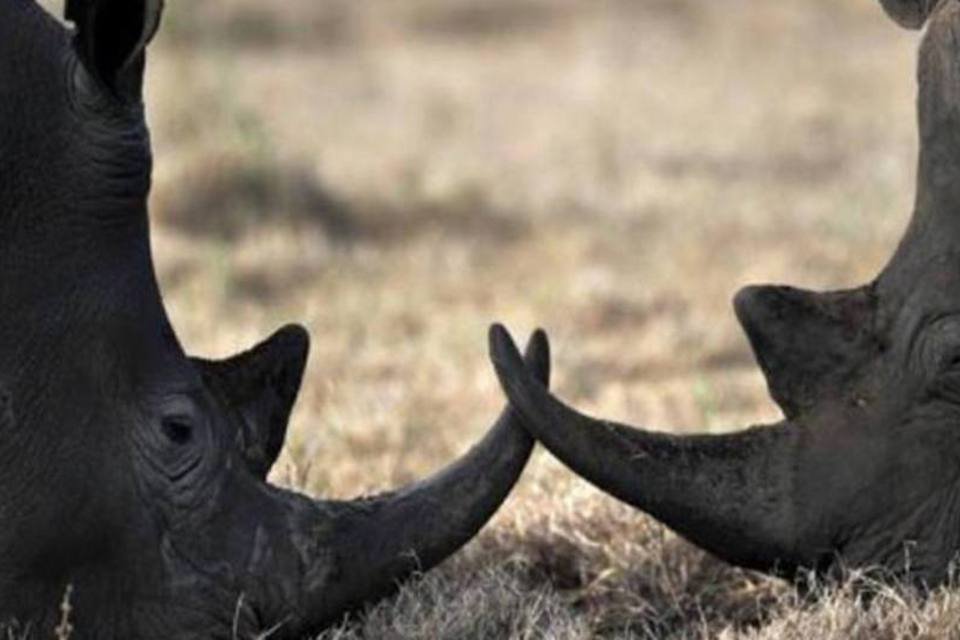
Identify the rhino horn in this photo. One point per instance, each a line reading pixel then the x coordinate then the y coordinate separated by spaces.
pixel 382 540
pixel 725 493
pixel 806 342
pixel 262 386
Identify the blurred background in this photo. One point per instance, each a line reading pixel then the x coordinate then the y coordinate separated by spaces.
pixel 398 174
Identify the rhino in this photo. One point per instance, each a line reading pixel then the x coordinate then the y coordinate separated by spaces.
pixel 133 477
pixel 863 472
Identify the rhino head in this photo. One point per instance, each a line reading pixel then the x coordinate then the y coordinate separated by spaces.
pixel 864 471
pixel 130 472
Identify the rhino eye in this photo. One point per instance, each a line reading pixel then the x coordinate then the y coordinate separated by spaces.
pixel 178 430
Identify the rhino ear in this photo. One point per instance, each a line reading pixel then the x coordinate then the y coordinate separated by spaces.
pixel 807 343
pixel 262 386
pixel 911 14
pixel 111 37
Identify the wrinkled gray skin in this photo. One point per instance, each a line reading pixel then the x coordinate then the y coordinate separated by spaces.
pixel 865 469
pixel 128 470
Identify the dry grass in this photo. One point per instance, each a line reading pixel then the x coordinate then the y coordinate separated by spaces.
pixel 396 175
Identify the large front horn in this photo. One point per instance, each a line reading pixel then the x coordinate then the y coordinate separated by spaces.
pixel 730 494
pixel 380 541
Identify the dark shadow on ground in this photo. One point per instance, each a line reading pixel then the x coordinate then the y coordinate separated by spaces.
pixel 336 23
pixel 339 23
pixel 234 204
pixel 236 200
pixel 663 587
pixel 485 20
pixel 294 23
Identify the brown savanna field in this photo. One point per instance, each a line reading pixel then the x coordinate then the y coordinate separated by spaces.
pixel 396 175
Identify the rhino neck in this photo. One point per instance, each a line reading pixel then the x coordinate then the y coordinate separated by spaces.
pixel 933 235
pixel 81 165
pixel 54 261
pixel 89 304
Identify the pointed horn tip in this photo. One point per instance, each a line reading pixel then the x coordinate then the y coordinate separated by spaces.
pixel 537 355
pixel 540 337
pixel 497 332
pixel 515 378
pixel 503 350
pixel 745 301
pixel 294 335
pixel 756 299
pixel 760 305
pixel 751 304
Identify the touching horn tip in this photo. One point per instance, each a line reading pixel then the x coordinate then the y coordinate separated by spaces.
pixel 502 347
pixel 540 335
pixel 537 355
pixel 505 357
pixel 497 332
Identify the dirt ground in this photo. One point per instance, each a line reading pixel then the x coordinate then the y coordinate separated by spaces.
pixel 398 175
